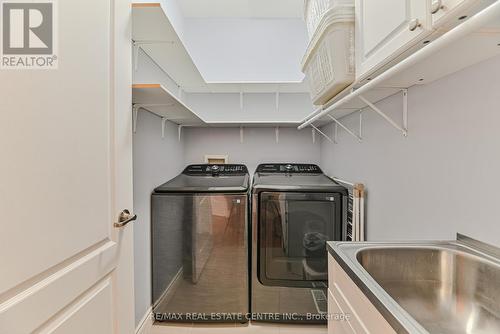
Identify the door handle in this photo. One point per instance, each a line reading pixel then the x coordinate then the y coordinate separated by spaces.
pixel 124 218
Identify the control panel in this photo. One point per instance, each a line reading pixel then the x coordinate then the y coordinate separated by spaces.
pixel 289 168
pixel 215 169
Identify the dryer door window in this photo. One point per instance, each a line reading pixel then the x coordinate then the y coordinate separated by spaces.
pixel 293 230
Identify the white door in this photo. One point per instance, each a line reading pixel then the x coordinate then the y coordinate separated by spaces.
pixel 385 29
pixel 65 175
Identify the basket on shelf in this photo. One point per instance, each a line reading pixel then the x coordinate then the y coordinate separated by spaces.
pixel 315 9
pixel 329 63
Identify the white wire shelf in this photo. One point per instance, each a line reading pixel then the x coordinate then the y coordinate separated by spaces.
pixel 160 101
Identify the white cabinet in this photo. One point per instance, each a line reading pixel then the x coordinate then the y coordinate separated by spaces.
pixel 346 299
pixel 441 9
pixel 336 326
pixel 385 29
pixel 448 13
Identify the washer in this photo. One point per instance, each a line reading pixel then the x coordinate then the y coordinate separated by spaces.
pixel 295 210
pixel 200 245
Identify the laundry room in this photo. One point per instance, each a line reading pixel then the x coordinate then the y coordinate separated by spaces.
pixel 386 158
pixel 250 166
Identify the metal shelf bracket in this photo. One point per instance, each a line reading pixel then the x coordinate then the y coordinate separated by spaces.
pixel 137 45
pixel 335 133
pixel 179 130
pixel 137 106
pixel 163 124
pixel 314 129
pixel 404 128
pixel 136 54
pixel 361 124
pixel 337 122
pixel 135 111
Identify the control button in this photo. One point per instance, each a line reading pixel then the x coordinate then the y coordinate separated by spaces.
pixel 215 168
pixel 288 167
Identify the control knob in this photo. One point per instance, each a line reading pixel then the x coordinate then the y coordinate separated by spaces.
pixel 215 169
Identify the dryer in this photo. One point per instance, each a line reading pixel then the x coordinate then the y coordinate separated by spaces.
pixel 295 210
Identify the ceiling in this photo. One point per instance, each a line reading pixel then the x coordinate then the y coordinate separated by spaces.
pixel 241 8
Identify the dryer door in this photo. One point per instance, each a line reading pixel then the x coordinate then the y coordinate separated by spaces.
pixel 293 230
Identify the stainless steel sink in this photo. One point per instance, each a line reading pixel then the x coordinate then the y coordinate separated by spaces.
pixel 441 287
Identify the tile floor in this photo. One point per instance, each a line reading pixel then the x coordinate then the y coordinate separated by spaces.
pixel 251 328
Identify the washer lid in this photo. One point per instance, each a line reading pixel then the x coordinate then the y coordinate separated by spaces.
pixel 294 177
pixel 278 168
pixel 207 179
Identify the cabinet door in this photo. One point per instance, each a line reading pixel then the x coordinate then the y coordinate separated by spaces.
pixel 445 13
pixel 384 31
pixel 336 326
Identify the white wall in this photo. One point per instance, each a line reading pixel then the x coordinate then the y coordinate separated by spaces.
pixel 156 160
pixel 444 177
pixel 259 145
pixel 227 49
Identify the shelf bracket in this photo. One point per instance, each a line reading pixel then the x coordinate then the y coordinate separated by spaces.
pixel 335 133
pixel 145 106
pixel 148 105
pixel 163 124
pixel 179 131
pixel 137 45
pixel 405 110
pixel 345 128
pixel 241 135
pixel 277 134
pixel 404 129
pixel 135 111
pixel 360 124
pixel 321 133
pixel 277 101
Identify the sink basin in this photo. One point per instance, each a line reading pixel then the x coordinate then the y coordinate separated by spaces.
pixel 446 291
pixel 428 287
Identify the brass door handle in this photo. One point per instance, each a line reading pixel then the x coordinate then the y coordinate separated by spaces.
pixel 124 218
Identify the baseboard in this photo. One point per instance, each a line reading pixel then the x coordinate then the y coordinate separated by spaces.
pixel 171 288
pixel 146 323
